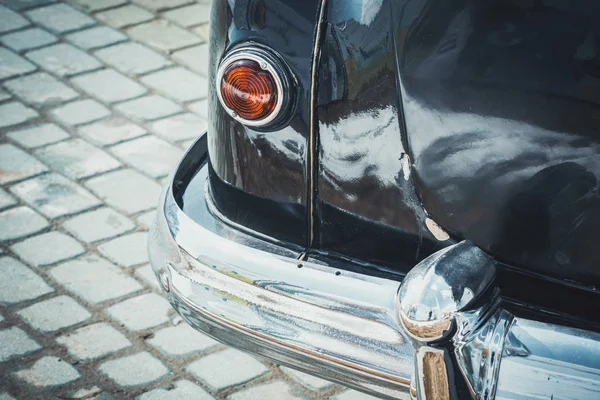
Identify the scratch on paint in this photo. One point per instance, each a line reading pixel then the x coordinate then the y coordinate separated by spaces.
pixel 437 231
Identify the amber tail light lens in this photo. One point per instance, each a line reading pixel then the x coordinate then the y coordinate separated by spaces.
pixel 253 86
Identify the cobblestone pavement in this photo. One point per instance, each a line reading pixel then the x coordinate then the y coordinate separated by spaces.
pixel 98 100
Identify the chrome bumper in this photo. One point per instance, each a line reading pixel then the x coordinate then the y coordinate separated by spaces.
pixel 359 330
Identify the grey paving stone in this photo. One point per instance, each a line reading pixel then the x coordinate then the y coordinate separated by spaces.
pixel 111 130
pixel 28 39
pixel 125 16
pixel 278 389
pixel 141 312
pixel 6 396
pixel 306 380
pixel 227 368
pixel 97 5
pixel 39 135
pixel 181 340
pixel 180 127
pixel 127 250
pixel 4 95
pixel 23 4
pixel 54 196
pixel 15 113
pixel 63 59
pixel 109 86
pixel 14 342
pixel 91 393
pixel 195 58
pixel 1 318
pixel 191 15
pixel 149 154
pixel 19 283
pixel 6 200
pixel 145 220
pixel 177 390
pixel 200 108
pixel 147 275
pixel 18 222
pixel 49 371
pixel 98 225
pixel 352 395
pixel 178 83
pixel 16 165
pixel 132 58
pixel 186 144
pixel 54 314
pixel 148 108
pixel 10 20
pixel 13 65
pixel 163 35
pixel 40 89
pixel 94 341
pixel 98 36
pixel 77 159
pixel 126 190
pixel 60 18
pixel 80 112
pixel 94 279
pixel 157 5
pixel 47 248
pixel 134 370
pixel 202 31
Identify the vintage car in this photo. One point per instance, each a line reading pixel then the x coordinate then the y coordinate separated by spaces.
pixel 401 196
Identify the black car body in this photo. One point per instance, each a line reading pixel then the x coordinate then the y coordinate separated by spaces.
pixel 454 141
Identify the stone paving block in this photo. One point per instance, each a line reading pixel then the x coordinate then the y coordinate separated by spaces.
pixel 14 342
pixel 142 312
pixel 15 113
pixel 126 190
pixel 39 135
pixel 47 248
pixel 181 340
pixel 227 368
pixel 60 18
pixel 202 31
pixel 91 393
pixel 98 225
pixel 163 35
pixel 19 283
pixel 180 127
pixel 13 65
pixel 63 59
pixel 195 58
pixel 19 222
pixel 94 341
pixel 132 58
pixel 54 314
pixel 177 390
pixel 40 89
pixel 178 83
pixel 127 250
pixel 6 200
pixel 97 5
pixel 191 15
pixel 134 370
pixel 278 389
pixel 23 4
pixel 309 381
pixel 77 159
pixel 28 39
pixel 111 130
pixel 1 318
pixel 149 154
pixel 352 395
pixel 54 196
pixel 94 279
pixel 98 36
pixel 6 396
pixel 4 95
pixel 148 108
pixel 200 108
pixel 157 5
pixel 49 371
pixel 16 165
pixel 125 16
pixel 10 20
pixel 147 275
pixel 80 112
pixel 109 86
pixel 147 219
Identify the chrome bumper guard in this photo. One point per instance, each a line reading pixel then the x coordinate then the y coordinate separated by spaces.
pixel 441 335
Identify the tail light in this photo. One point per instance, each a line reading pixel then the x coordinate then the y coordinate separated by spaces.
pixel 254 87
